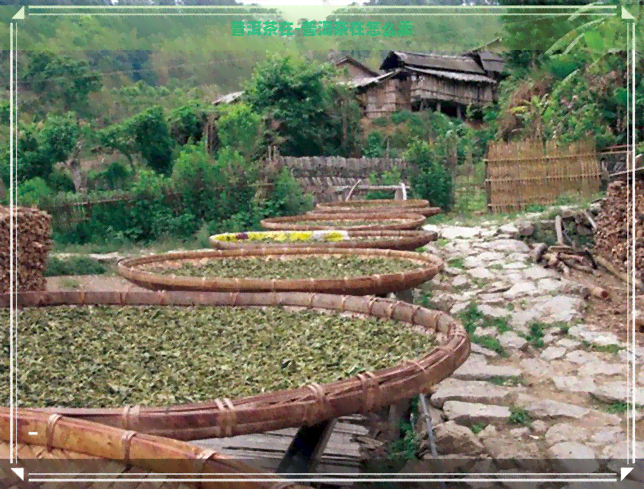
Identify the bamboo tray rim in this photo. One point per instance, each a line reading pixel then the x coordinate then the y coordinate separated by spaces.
pixel 429 266
pixel 376 203
pixel 307 405
pixel 387 239
pixel 154 454
pixel 383 221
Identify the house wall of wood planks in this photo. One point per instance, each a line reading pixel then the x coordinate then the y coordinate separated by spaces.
pixel 441 89
pixel 520 174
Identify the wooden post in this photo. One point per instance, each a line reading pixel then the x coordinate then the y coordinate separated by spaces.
pixel 488 188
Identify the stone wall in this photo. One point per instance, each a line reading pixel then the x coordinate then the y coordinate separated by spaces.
pixel 322 175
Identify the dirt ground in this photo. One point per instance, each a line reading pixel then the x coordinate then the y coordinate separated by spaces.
pixel 613 314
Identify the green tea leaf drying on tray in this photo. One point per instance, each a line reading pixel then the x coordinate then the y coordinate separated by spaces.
pixel 302 267
pixel 108 356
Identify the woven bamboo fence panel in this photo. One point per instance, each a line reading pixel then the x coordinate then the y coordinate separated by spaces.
pixel 524 173
pixel 305 406
pixel 49 443
pixel 428 267
pixel 389 240
pixel 349 221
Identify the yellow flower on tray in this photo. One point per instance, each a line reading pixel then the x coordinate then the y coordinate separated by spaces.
pixel 281 237
pixel 226 237
pixel 254 236
pixel 334 236
pixel 301 236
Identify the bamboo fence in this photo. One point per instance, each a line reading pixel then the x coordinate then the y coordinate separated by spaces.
pixel 381 222
pixel 49 443
pixel 390 240
pixel 524 173
pixel 428 267
pixel 304 406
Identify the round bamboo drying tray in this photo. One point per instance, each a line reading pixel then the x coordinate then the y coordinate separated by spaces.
pixel 381 222
pixel 381 207
pixel 44 440
pixel 416 206
pixel 428 267
pixel 390 240
pixel 307 405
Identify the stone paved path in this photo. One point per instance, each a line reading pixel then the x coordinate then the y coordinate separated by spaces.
pixel 542 388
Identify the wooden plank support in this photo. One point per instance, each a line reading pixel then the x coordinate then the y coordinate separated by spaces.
pixel 305 451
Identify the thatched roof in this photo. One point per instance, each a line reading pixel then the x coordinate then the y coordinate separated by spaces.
pixel 466 77
pixel 432 61
pixel 491 62
pixel 356 63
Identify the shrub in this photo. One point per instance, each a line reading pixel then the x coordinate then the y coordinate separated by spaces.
pixel 241 129
pixel 81 265
pixel 33 191
pixel 432 180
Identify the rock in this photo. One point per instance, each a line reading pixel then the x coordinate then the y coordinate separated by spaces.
pixel 485 466
pixel 476 368
pixel 510 229
pixel 493 312
pixel 481 273
pixel 443 303
pixel 517 474
pixel 453 232
pixel 608 436
pixel 492 332
pixel 525 228
pixel 472 392
pixel 552 353
pixel 547 285
pixel 460 281
pixel 520 432
pixel 580 357
pixel 563 432
pixel 594 368
pixel 472 262
pixel 490 256
pixel 568 344
pixel 510 246
pixel 539 426
pixel 519 290
pixel 574 384
pixel 538 273
pixel 459 307
pixel 452 438
pixel 494 298
pixel 476 348
pixel 601 339
pixel 516 265
pixel 535 367
pixel 488 432
pixel 437 417
pixel 549 338
pixel 513 341
pixel 615 392
pixel 574 457
pixel 620 453
pixel 510 453
pixel 472 413
pixel 548 409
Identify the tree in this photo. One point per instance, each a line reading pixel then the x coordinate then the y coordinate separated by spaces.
pixel 304 106
pixel 59 79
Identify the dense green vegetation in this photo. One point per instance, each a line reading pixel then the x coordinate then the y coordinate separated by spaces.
pixel 113 105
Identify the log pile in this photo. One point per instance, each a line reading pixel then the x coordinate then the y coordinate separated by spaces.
pixel 613 222
pixel 33 229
